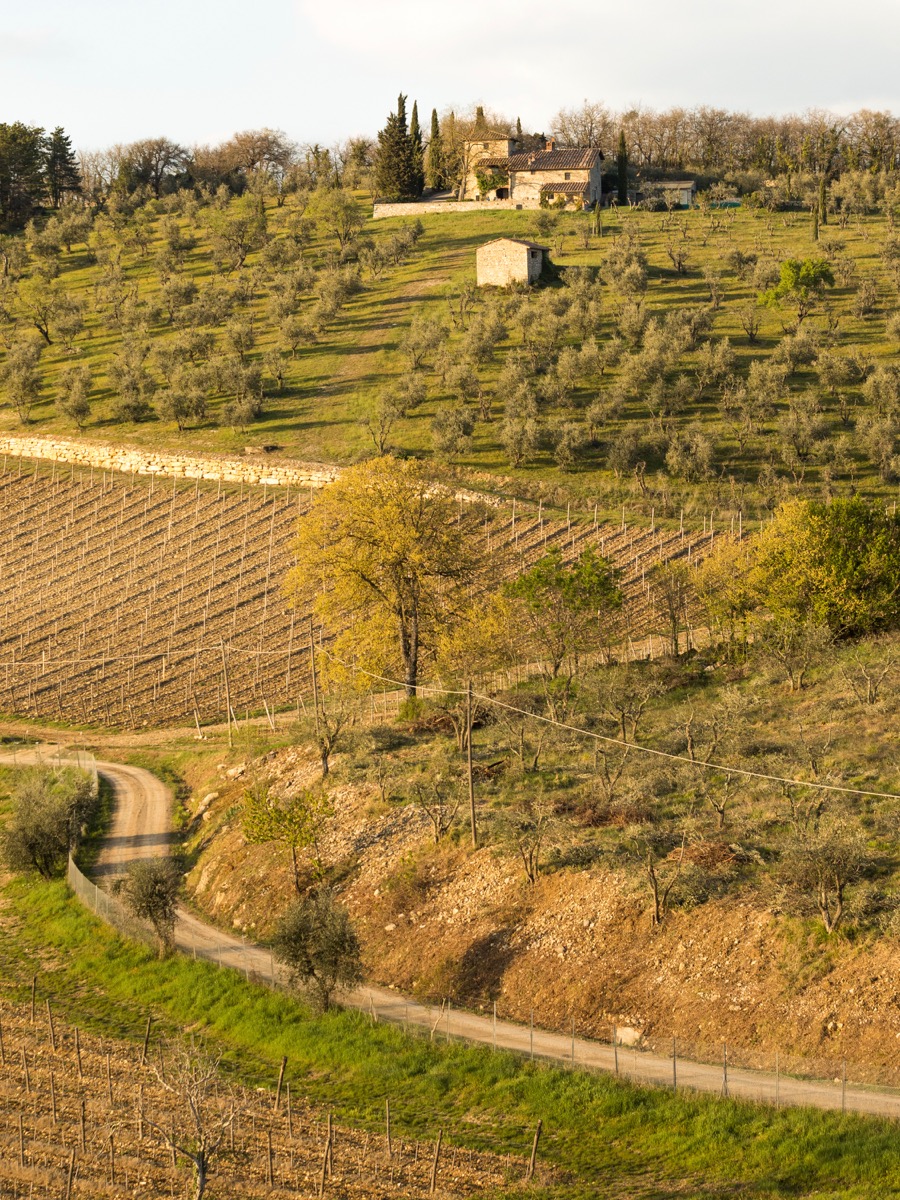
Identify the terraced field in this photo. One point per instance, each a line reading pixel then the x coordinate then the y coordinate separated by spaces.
pixel 127 602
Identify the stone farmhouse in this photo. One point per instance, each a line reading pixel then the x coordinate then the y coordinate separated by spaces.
pixel 498 170
pixel 506 260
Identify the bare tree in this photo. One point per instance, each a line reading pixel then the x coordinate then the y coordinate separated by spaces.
pixel 440 799
pixel 204 1111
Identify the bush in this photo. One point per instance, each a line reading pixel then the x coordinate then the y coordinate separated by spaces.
pixel 51 809
pixel 317 941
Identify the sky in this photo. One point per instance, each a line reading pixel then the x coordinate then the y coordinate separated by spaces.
pixel 323 70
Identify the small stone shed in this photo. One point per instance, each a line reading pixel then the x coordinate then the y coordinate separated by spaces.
pixel 508 260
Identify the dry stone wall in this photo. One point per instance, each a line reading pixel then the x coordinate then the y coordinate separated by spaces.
pixel 415 208
pixel 128 459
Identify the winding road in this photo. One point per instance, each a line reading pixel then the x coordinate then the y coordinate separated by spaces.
pixel 141 828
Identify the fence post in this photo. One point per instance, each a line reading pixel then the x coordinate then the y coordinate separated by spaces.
pixel 724 1069
pixel 843 1086
pixel 615 1042
pixel 674 1068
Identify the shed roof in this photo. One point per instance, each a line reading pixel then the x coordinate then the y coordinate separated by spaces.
pixel 517 242
pixel 566 189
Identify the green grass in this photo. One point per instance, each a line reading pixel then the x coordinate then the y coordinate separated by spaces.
pixel 614 1139
pixel 316 415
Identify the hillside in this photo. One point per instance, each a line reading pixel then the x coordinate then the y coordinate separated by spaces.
pixel 740 954
pixel 124 602
pixel 646 372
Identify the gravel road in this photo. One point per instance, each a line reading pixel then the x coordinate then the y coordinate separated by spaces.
pixel 141 828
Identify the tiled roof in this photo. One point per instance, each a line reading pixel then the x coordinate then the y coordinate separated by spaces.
pixel 555 160
pixel 518 242
pixel 566 189
pixel 544 160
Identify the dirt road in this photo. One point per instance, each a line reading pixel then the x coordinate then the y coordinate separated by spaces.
pixel 141 828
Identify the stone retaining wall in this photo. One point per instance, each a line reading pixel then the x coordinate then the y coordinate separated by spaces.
pixel 415 208
pixel 128 459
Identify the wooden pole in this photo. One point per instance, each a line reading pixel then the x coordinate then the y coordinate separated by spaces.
pixel 270 1179
pixel 724 1069
pixel 78 1053
pixel 33 994
pixel 21 1143
pixel 70 1178
pixel 330 1145
pixel 469 765
pixel 387 1125
pixel 324 1172
pixel 83 1126
pixel 315 674
pixel 227 693
pixel 280 1082
pixel 534 1150
pixel 50 1023
pixel 434 1163
pixel 146 1041
pixel 674 1069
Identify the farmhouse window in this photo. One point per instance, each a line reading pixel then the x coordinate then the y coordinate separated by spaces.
pixel 567 175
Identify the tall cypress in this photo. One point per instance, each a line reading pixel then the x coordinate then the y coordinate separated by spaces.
pixel 480 122
pixel 395 176
pixel 622 167
pixel 434 158
pixel 61 166
pixel 519 130
pixel 823 201
pixel 418 150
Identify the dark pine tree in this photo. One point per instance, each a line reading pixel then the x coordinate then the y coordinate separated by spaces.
pixel 61 167
pixel 434 156
pixel 518 131
pixel 22 180
pixel 418 150
pixel 622 167
pixel 480 122
pixel 395 175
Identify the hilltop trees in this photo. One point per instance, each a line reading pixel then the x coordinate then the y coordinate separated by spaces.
pixel 386 557
pixel 398 163
pixel 34 169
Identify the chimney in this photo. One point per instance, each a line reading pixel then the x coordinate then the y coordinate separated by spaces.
pixel 551 143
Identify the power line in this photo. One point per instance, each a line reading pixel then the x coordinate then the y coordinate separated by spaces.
pixel 635 746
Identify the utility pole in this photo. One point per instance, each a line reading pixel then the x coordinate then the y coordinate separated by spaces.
pixel 227 693
pixel 315 677
pixel 469 765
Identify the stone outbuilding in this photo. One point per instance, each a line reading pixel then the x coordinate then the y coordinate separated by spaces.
pixel 508 260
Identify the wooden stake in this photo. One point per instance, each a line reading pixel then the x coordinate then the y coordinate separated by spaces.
pixel 83 1127
pixel 78 1053
pixel 50 1023
pixel 534 1149
pixel 52 1098
pixel 280 1082
pixel 434 1163
pixel 71 1175
pixel 33 995
pixel 112 1161
pixel 25 1069
pixel 21 1143
pixel 109 1083
pixel 270 1180
pixel 387 1124
pixel 324 1171
pixel 330 1128
pixel 146 1042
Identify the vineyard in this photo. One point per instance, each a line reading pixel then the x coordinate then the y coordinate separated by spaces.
pixel 95 1117
pixel 128 603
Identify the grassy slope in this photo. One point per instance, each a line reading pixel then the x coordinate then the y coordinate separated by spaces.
pixel 615 1139
pixel 316 417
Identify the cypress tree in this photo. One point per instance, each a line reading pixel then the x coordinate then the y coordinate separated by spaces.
pixel 622 167
pixel 519 130
pixel 418 150
pixel 395 176
pixel 823 202
pixel 815 223
pixel 480 122
pixel 61 166
pixel 434 158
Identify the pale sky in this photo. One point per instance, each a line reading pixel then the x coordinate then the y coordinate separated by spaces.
pixel 323 70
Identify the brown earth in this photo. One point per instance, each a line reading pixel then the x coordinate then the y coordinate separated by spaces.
pixel 443 921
